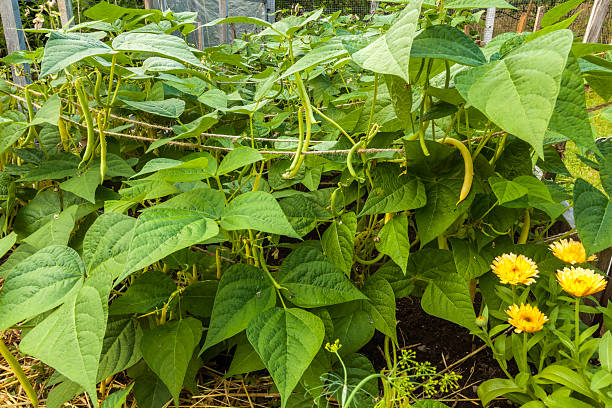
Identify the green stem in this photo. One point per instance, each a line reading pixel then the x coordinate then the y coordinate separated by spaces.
pixel 334 123
pixel 372 110
pixel 577 329
pixel 360 385
pixel 525 230
pixel 525 350
pixel 18 371
pixel 345 385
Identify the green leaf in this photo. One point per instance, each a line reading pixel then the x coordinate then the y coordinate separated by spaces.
pixel 429 404
pixel 392 193
pixel 322 53
pixel 239 20
pixel 117 398
pixel 106 244
pixel 209 202
pixel 55 232
pixel 570 117
pixel 491 389
pixel 394 240
pixel 358 367
pixel 49 112
pixel 287 340
pixel 150 290
pixel 215 98
pixel 70 339
pixel 469 263
pixel 160 232
pixel 381 306
pixel 199 297
pixel 565 376
pixel 401 98
pixel 246 360
pixel 390 53
pixel 305 210
pixel 447 42
pixel 506 190
pixel 477 4
pixel 120 347
pixel 167 350
pixel 560 10
pixel 39 283
pixel 448 297
pixel 338 241
pixel 605 351
pixel 11 132
pixel 166 45
pixel 593 212
pixel 259 211
pixel 237 159
pixel 353 326
pixel 64 49
pixel 7 243
pixel 151 392
pixel 168 108
pixel 54 168
pixel 313 281
pixel 441 209
pixel 244 292
pixel 84 184
pixel 516 92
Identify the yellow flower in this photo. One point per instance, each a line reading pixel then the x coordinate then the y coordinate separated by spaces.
pixel 580 282
pixel 515 269
pixel 526 318
pixel 570 251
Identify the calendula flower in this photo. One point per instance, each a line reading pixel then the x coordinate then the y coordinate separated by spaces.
pixel 515 269
pixel 570 251
pixel 526 318
pixel 580 282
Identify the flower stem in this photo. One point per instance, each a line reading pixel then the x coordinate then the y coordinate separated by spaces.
pixel 525 350
pixel 577 329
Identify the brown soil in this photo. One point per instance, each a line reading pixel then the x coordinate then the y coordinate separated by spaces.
pixel 442 343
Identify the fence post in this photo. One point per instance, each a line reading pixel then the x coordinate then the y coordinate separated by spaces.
pixel 15 40
pixel 596 21
pixel 373 7
pixel 489 25
pixel 65 9
pixel 223 27
pixel 538 19
pixel 270 11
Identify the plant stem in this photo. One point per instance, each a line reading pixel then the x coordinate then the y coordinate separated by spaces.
pixel 577 329
pixel 18 371
pixel 525 350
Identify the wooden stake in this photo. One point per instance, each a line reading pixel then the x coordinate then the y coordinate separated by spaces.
pixel 223 27
pixel 65 9
pixel 538 20
pixel 489 25
pixel 15 40
pixel 596 21
pixel 523 21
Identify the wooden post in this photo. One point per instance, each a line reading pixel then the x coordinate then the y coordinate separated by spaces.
pixel 489 25
pixel 596 21
pixel 65 9
pixel 222 27
pixel 15 40
pixel 523 21
pixel 373 7
pixel 538 20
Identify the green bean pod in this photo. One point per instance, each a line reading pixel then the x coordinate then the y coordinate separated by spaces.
pixel 102 147
pixel 91 138
pixel 349 160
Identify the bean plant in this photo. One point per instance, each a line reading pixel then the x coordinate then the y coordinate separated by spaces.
pixel 270 199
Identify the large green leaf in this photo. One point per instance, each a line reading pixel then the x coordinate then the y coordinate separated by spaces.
pixel 256 210
pixel 570 117
pixel 469 263
pixel 150 290
pixel 71 338
pixel 338 241
pixel 162 44
pixel 84 184
pixel 238 158
pixel 287 340
pixel 557 12
pixel 64 49
pixel 441 209
pixel 117 398
pixel 392 193
pixel 446 42
pixel 244 292
pixel 448 297
pixel 7 243
pixel 56 231
pixel 168 108
pixel 168 348
pixel 161 231
pixel 517 93
pixel 394 240
pixel 245 359
pixel 313 281
pixel 491 389
pixel 11 131
pixel 506 190
pixel 39 283
pixel 48 113
pixel 353 326
pixel 120 348
pixel 54 168
pixel 106 244
pixel 390 53
pixel 477 4
pixel 209 202
pixel 381 306
pixel 329 50
pixel 593 213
